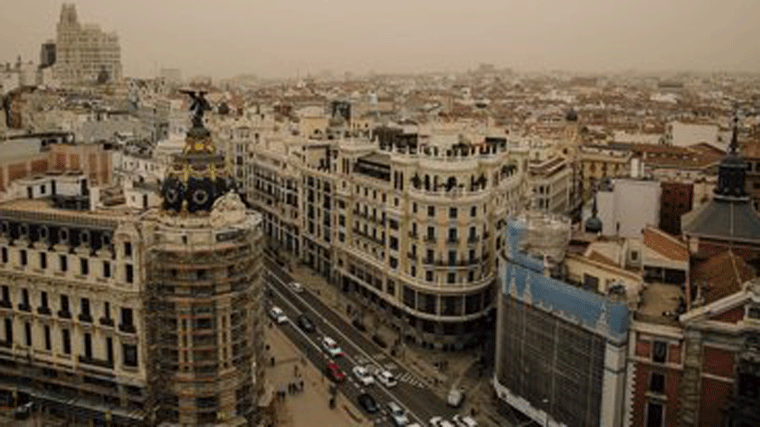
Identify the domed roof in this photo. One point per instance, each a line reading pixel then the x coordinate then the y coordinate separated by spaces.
pixel 593 225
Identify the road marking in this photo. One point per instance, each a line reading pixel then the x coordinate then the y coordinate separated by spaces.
pixel 381 386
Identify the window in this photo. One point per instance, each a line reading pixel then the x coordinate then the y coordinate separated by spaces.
pixel 394 243
pixel 393 262
pixel 391 287
pixel 474 211
pixel 126 320
pixel 659 351
pixel 429 275
pixel 109 350
pixel 414 207
pixel 84 309
pixel 431 233
pixel 63 263
pixel 87 345
pixel 657 383
pixel 28 334
pixel 129 273
pixel 6 295
pixel 43 260
pixel 48 343
pixel 452 235
pixel 451 278
pixel 130 354
pixel 413 271
pixel 5 255
pixel 431 211
pixel 84 266
pixel 66 341
pixel 44 300
pixel 24 300
pixel 429 259
pixel 128 249
pixel 23 256
pixel 634 255
pixel 654 414
pixel 106 269
pixel 107 310
pixel 452 213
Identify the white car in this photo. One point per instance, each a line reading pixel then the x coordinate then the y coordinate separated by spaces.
pixel 455 398
pixel 362 374
pixel 278 315
pixel 398 415
pixel 386 378
pixel 440 422
pixel 464 421
pixel 296 287
pixel 331 347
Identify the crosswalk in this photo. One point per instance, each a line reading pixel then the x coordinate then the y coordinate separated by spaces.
pixel 389 365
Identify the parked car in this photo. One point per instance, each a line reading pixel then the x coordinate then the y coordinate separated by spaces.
pixel 305 323
pixel 398 415
pixel 331 347
pixel 440 422
pixel 296 287
pixel 334 372
pixel 363 375
pixel 24 411
pixel 386 378
pixel 455 398
pixel 367 402
pixel 464 421
pixel 278 315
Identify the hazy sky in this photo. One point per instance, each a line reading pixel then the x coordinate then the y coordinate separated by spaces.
pixel 280 37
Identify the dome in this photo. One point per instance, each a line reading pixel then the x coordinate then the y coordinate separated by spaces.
pixel 593 225
pixel 571 116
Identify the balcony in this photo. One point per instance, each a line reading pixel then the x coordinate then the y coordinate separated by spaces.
pixel 130 329
pixel 106 321
pixel 45 311
pixel 64 314
pixel 85 317
pixel 6 304
pixel 452 240
pixel 473 238
pixel 413 235
pixel 430 239
pixel 95 362
pixel 25 307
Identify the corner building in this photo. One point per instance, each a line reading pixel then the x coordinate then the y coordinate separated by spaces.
pixel 120 316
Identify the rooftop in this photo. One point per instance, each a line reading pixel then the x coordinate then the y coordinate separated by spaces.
pixel 659 303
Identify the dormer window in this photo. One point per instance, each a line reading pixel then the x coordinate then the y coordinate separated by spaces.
pixel 753 312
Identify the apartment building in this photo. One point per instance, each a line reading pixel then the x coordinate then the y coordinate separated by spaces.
pixel 407 224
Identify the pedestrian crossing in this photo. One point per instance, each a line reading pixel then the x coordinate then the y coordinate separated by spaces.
pixel 389 365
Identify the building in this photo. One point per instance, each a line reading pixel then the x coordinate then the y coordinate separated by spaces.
pixel 552 185
pixel 407 225
pixel 676 199
pixel 615 199
pixel 205 293
pixel 124 316
pixel 47 54
pixel 728 220
pixel 83 52
pixel 560 348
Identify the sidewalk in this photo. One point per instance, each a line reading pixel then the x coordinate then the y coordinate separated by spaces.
pixel 309 407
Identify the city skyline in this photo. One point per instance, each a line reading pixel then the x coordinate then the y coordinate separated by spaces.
pixel 227 38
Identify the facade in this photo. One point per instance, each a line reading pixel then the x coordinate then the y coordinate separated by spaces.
pixel 408 225
pixel 126 316
pixel 676 199
pixel 83 52
pixel 560 349
pixel 552 185
pixel 616 199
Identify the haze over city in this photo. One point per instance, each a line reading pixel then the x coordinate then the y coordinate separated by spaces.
pixel 274 39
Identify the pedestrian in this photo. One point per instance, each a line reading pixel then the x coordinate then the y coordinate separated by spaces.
pixel 272 360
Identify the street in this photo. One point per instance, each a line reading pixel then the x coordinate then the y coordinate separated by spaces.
pixel 411 392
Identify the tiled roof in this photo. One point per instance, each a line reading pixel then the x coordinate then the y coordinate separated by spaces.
pixel 721 275
pixel 665 245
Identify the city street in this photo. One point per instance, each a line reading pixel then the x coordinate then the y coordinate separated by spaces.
pixel 410 392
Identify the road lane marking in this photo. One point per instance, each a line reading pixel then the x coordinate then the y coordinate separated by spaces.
pixel 346 339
